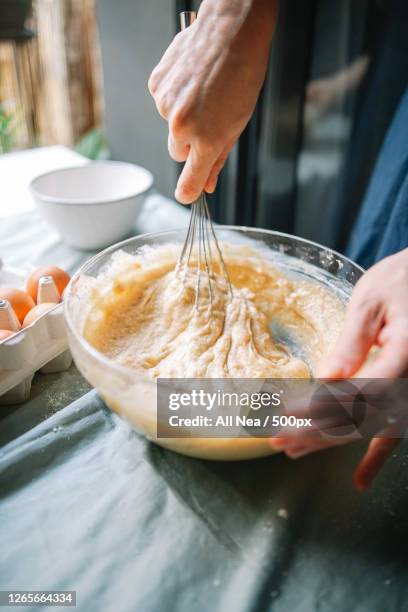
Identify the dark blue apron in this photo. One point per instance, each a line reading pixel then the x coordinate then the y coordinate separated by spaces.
pixel 381 228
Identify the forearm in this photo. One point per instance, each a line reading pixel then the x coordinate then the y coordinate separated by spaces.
pixel 225 20
pixel 349 78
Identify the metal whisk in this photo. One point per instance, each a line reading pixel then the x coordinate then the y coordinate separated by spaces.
pixel 201 233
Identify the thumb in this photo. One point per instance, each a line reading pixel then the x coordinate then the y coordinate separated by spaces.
pixel 217 167
pixel 361 327
pixel 194 175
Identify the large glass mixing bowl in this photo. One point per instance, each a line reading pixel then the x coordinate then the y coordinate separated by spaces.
pixel 134 397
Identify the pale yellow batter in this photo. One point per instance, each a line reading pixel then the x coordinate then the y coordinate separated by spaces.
pixel 144 316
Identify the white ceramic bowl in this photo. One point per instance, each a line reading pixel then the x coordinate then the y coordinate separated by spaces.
pixel 94 205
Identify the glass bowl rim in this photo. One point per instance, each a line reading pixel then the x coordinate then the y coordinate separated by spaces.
pixel 121 369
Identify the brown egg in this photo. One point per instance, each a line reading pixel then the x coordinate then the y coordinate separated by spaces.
pixel 36 312
pixel 61 279
pixel 5 333
pixel 20 301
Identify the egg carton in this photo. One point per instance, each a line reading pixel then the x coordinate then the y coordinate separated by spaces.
pixel 42 346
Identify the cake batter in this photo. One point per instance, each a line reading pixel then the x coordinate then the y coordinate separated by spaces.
pixel 144 317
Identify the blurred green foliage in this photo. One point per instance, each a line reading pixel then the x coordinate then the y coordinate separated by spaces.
pixel 6 130
pixel 93 145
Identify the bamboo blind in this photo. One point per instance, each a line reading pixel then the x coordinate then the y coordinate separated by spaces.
pixel 51 84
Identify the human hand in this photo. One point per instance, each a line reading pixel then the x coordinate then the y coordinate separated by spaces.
pixel 377 315
pixel 207 83
pixel 321 93
pixel 325 92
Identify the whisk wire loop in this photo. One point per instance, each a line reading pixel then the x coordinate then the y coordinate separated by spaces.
pixel 201 242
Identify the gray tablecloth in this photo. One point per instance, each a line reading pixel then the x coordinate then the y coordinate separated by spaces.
pixel 26 240
pixel 87 504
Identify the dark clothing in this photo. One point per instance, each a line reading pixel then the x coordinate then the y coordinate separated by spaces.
pixel 382 226
pixel 377 103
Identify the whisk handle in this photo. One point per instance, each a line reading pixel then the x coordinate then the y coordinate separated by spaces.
pixel 187 18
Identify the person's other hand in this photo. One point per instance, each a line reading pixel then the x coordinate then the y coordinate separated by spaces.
pixel 207 83
pixel 377 316
pixel 321 93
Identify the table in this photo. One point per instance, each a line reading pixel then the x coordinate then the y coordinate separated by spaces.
pixel 25 239
pixel 87 504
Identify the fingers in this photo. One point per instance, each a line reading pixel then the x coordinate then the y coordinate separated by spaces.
pixel 197 174
pixel 294 448
pixel 194 175
pixel 288 443
pixel 191 183
pixel 376 455
pixel 362 325
pixel 296 452
pixel 392 359
pixel 216 169
pixel 178 150
pixel 391 362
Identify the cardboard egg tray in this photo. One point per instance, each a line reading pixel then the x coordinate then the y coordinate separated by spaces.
pixel 42 346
